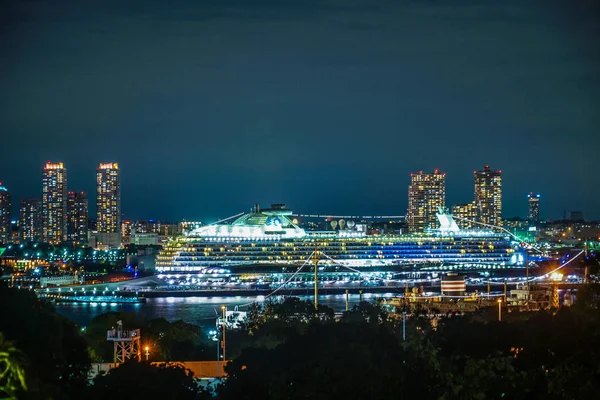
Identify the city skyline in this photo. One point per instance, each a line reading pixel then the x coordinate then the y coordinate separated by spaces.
pixel 327 106
pixel 108 192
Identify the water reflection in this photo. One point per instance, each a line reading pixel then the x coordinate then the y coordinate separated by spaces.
pixel 196 310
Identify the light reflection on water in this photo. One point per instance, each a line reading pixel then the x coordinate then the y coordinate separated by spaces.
pixel 196 310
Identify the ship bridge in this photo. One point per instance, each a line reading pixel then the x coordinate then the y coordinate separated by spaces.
pixel 272 222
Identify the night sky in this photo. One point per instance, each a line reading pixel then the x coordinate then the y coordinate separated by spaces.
pixel 325 105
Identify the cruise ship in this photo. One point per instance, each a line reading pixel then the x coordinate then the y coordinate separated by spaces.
pixel 270 240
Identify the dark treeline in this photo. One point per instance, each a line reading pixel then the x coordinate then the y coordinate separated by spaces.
pixel 286 350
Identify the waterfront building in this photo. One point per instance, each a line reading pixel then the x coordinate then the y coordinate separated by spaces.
pixel 54 203
pixel 77 217
pixel 108 198
pixel 30 220
pixel 465 215
pixel 488 196
pixel 426 194
pixel 5 213
pixel 104 240
pixel 269 240
pixel 533 201
pixel 144 239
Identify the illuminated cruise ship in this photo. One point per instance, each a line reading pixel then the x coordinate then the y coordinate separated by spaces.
pixel 270 238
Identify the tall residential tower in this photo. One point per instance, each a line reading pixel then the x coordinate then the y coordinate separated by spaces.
pixel 488 196
pixel 5 211
pixel 533 201
pixel 426 193
pixel 54 203
pixel 30 220
pixel 108 198
pixel 77 217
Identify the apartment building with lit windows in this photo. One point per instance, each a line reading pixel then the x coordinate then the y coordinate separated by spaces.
pixel 488 196
pixel 30 220
pixel 5 212
pixel 426 193
pixel 464 215
pixel 77 218
pixel 533 203
pixel 108 198
pixel 54 203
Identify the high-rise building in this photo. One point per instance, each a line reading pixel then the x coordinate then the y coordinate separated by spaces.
pixel 77 217
pixel 54 203
pixel 464 215
pixel 426 193
pixel 5 212
pixel 533 201
pixel 108 197
pixel 488 196
pixel 30 220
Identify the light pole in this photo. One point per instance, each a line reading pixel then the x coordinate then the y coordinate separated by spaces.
pixel 215 337
pixel 499 310
pixel 224 326
pixel 147 352
pixel 403 325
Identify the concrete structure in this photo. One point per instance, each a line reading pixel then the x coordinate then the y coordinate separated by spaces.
pixel 5 212
pixel 54 203
pixel 200 369
pixel 144 239
pixel 59 280
pixel 77 217
pixel 426 193
pixel 104 240
pixel 30 220
pixel 108 198
pixel 488 196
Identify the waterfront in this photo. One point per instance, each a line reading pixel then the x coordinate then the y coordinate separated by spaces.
pixel 195 310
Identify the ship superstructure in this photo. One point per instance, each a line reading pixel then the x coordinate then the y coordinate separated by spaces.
pixel 271 238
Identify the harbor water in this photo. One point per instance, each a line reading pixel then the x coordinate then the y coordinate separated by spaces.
pixel 195 310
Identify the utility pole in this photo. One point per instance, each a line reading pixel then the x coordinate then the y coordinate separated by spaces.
pixel 218 355
pixel 505 290
pixel 347 303
pixel 316 260
pixel 489 289
pixel 499 310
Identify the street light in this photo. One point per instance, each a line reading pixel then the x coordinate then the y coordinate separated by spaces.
pixel 147 352
pixel 499 310
pixel 224 326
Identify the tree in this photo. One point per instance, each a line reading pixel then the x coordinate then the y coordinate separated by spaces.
pixel 142 380
pixel 350 361
pixel 57 354
pixel 13 382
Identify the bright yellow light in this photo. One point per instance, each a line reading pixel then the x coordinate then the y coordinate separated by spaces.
pixel 556 276
pixel 499 300
pixel 147 348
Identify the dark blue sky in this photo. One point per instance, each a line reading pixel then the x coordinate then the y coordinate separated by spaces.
pixel 326 105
